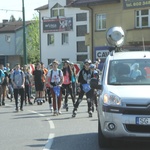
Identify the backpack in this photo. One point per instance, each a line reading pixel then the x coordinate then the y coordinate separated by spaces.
pixel 14 75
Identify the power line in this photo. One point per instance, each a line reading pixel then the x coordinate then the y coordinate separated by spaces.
pixel 10 10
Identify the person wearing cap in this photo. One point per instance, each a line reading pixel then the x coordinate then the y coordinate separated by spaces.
pixel 55 78
pixel 83 80
pixel 67 84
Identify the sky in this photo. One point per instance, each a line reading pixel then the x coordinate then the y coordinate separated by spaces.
pixel 14 7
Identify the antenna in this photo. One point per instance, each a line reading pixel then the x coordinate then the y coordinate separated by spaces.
pixel 143 43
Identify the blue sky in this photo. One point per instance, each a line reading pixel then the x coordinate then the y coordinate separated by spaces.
pixel 14 7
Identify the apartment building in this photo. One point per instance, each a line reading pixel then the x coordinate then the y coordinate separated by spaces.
pixel 132 16
pixel 62 32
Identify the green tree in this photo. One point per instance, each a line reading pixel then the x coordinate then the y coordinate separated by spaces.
pixel 32 39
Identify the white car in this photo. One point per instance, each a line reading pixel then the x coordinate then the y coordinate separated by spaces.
pixel 124 101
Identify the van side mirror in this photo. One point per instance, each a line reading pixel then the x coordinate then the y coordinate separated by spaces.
pixel 94 84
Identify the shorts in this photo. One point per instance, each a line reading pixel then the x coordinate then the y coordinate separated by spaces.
pixel 39 86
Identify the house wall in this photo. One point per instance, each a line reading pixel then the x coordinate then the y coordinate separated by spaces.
pixel 116 15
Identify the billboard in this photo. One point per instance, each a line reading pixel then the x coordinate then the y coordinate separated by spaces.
pixel 58 25
pixel 135 3
pixel 101 52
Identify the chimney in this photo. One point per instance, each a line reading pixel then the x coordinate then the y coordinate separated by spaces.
pixel 4 21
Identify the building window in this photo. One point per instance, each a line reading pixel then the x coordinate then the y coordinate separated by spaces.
pixel 81 57
pixel 100 22
pixel 81 30
pixel 64 59
pixel 50 39
pixel 81 17
pixel 142 18
pixel 7 38
pixel 65 38
pixel 57 10
pixel 81 46
pixel 50 61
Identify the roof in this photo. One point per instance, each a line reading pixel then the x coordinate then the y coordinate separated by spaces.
pixel 12 26
pixel 130 55
pixel 80 3
pixel 42 7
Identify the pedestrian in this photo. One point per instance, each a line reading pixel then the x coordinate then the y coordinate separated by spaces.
pixel 55 79
pixel 4 85
pixel 38 75
pixel 27 95
pixel 95 74
pixel 10 86
pixel 67 84
pixel 73 79
pixel 48 93
pixel 83 80
pixel 2 76
pixel 18 81
pixel 45 70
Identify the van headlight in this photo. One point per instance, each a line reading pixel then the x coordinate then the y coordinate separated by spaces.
pixel 111 99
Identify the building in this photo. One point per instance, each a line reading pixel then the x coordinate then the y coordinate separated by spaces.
pixel 11 41
pixel 132 16
pixel 62 32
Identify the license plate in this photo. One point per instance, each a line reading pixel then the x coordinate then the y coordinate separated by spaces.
pixel 143 120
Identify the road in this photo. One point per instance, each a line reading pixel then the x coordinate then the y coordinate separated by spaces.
pixel 36 128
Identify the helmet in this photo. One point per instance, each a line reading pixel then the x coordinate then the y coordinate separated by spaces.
pixel 95 73
pixel 66 61
pixel 88 61
pixel 92 66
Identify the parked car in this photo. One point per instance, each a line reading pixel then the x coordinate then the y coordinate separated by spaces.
pixel 124 101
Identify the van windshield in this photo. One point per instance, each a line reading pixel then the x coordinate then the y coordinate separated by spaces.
pixel 129 72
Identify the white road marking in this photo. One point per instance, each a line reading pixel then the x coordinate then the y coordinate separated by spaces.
pixel 51 123
pixel 51 135
pixel 49 142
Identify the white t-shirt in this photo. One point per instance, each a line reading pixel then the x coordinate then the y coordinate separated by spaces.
pixel 55 75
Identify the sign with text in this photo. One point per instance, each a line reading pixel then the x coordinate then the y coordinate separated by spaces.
pixel 135 3
pixel 101 52
pixel 58 25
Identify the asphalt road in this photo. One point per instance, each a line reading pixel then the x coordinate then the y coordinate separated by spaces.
pixel 36 128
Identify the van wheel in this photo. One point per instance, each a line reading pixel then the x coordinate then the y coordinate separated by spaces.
pixel 103 141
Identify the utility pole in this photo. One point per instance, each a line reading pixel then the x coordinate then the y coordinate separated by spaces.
pixel 24 34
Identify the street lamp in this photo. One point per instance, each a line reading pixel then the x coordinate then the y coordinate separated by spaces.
pixel 24 34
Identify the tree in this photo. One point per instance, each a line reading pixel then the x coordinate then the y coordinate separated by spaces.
pixel 12 18
pixel 32 38
pixel 19 19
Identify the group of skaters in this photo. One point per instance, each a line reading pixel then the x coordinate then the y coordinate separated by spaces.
pixel 50 84
pixel 69 83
